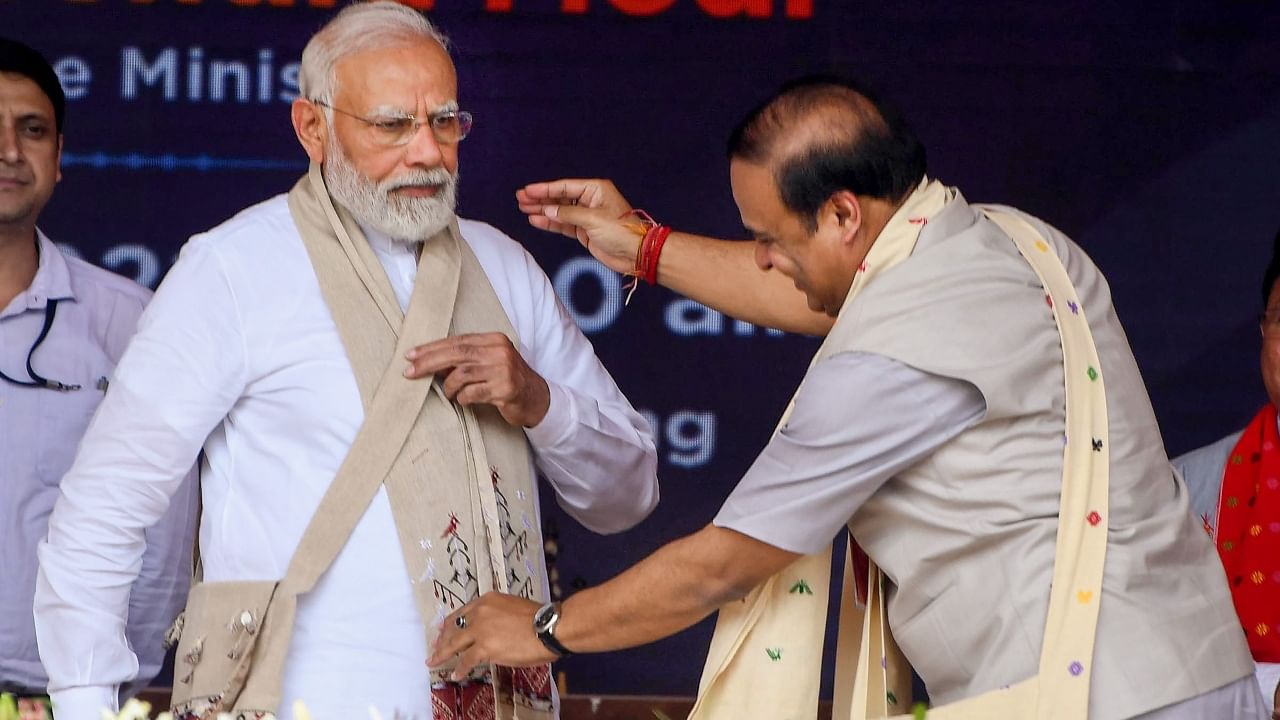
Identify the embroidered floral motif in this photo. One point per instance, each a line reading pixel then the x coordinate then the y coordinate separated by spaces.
pixel 775 654
pixel 801 587
pixel 461 584
pixel 1094 518
pixel 515 545
pixel 1075 669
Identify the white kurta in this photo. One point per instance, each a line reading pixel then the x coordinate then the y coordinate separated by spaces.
pixel 238 354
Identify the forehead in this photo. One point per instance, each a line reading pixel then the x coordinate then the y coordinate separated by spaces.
pixel 400 75
pixel 756 193
pixel 20 95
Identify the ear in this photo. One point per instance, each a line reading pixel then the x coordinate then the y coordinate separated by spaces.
pixel 845 211
pixel 309 126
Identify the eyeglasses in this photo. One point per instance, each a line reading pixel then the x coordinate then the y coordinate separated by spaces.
pixel 448 126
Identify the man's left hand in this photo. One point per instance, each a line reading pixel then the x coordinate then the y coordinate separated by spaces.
pixel 484 368
pixel 498 629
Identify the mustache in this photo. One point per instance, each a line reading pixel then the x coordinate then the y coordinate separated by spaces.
pixel 434 176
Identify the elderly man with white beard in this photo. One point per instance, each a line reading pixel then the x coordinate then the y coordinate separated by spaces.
pixel 350 501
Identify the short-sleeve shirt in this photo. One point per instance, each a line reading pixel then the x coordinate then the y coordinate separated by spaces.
pixel 859 419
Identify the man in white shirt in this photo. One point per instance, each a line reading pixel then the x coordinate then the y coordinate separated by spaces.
pixel 239 355
pixel 63 326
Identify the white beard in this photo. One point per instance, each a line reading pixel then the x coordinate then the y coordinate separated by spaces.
pixel 404 219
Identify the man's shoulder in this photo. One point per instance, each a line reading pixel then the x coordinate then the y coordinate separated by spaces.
pixel 87 278
pixel 483 237
pixel 1209 458
pixel 504 260
pixel 250 228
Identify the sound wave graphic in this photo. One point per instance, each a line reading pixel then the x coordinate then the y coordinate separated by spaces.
pixel 170 163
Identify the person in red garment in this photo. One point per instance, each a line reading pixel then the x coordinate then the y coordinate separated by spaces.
pixel 1235 491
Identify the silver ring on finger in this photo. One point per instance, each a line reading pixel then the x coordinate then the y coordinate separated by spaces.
pixel 461 622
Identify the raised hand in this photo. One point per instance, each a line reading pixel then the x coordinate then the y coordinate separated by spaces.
pixel 591 211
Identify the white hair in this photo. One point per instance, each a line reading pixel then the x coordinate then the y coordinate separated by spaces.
pixel 359 27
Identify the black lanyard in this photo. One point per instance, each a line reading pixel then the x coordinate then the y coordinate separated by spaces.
pixel 50 309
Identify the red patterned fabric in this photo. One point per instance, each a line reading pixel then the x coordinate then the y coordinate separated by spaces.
pixel 1248 533
pixel 472 700
pixel 532 682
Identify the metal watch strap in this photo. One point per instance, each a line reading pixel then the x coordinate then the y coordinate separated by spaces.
pixel 546 633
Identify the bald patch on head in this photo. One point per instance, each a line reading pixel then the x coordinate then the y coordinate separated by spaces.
pixel 823 135
pixel 802 120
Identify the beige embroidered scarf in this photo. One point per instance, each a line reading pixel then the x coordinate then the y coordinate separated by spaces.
pixel 748 674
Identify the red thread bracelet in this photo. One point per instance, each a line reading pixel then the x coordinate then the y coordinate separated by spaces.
pixel 653 241
pixel 652 237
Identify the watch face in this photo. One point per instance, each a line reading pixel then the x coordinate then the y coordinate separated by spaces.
pixel 543 618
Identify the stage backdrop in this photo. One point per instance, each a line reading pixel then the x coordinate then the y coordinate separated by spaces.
pixel 1150 132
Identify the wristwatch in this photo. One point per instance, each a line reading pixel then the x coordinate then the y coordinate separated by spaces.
pixel 544 624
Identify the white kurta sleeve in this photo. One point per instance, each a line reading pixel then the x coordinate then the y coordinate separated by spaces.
pixel 182 371
pixel 597 452
pixel 859 419
pixel 594 448
pixel 163 582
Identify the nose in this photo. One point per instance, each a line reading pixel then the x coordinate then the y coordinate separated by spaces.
pixel 9 149
pixel 423 149
pixel 762 257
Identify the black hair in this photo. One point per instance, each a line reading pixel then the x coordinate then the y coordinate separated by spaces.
pixel 845 138
pixel 16 57
pixel 1273 272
